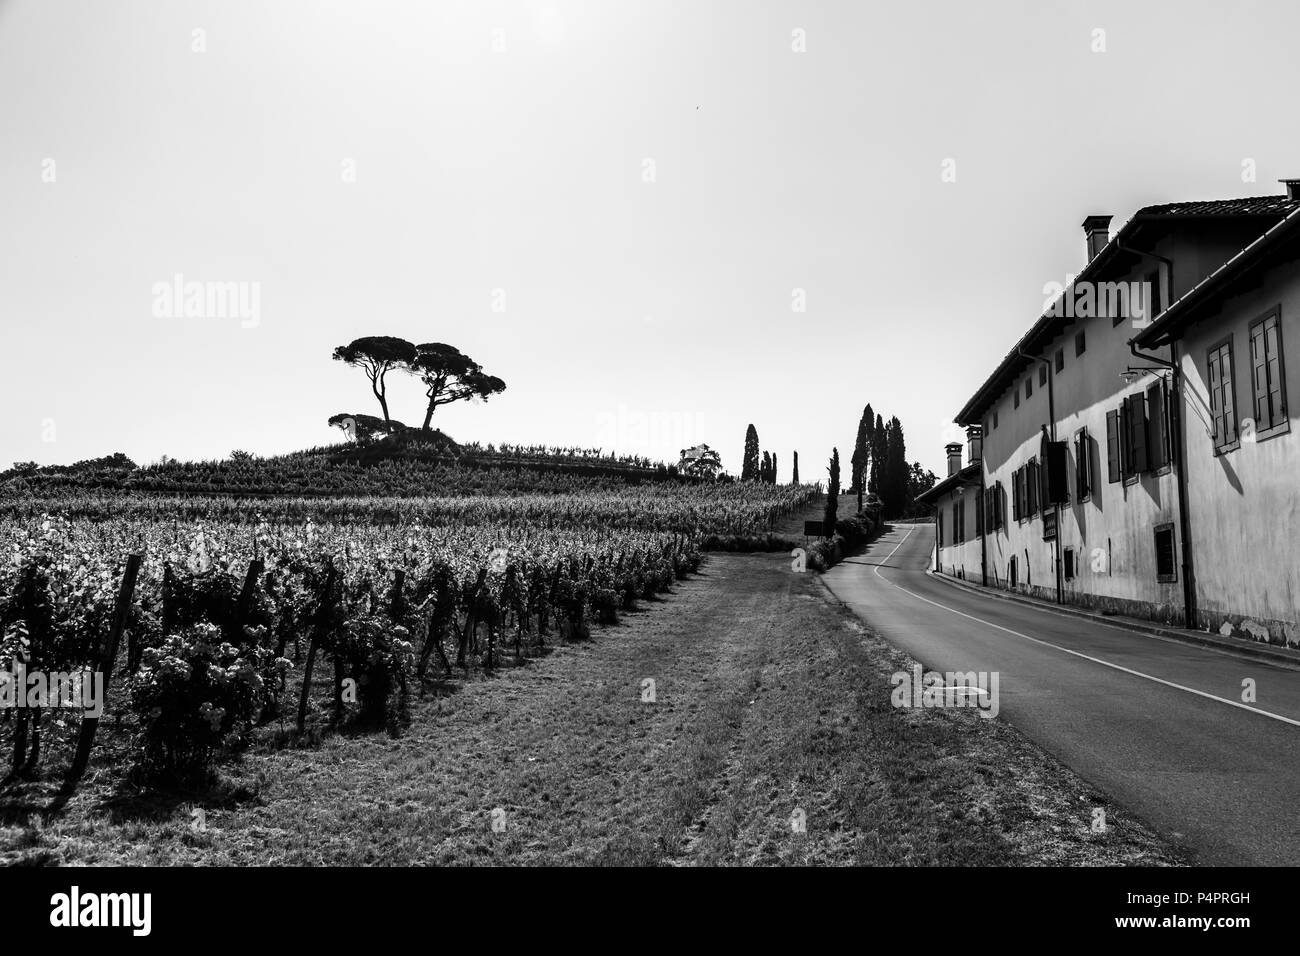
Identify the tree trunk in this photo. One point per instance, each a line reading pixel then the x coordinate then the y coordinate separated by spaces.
pixel 428 416
pixel 381 392
pixel 20 734
pixel 34 757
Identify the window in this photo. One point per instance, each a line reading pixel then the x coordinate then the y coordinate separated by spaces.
pixel 1018 494
pixel 1067 559
pixel 1011 572
pixel 938 526
pixel 1054 479
pixel 1223 396
pixel 979 515
pixel 1080 343
pixel 1042 375
pixel 995 418
pixel 1029 386
pixel 1266 373
pixel 1166 569
pixel 1060 360
pixel 1082 465
pixel 957 522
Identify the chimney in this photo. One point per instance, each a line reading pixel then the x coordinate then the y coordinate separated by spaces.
pixel 974 443
pixel 1292 189
pixel 1096 231
pixel 954 457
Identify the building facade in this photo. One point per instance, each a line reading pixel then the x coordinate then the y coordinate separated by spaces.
pixel 1096 468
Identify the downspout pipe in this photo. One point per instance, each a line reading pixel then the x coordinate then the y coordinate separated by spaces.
pixel 1176 427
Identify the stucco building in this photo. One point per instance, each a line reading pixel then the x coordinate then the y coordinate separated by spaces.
pixel 1133 451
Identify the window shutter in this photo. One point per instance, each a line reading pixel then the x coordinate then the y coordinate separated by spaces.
pixel 1273 362
pixel 1137 417
pixel 1083 464
pixel 1214 381
pixel 1229 403
pixel 1114 471
pixel 1158 428
pixel 1260 377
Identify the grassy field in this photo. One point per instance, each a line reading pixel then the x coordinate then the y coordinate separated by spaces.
pixel 769 699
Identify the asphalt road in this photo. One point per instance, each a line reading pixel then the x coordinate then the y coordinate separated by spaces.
pixel 1158 724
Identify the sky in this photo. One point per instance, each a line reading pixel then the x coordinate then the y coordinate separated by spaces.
pixel 657 221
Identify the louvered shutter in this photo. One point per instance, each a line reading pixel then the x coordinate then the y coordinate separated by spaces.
pixel 1137 419
pixel 1158 426
pixel 1259 376
pixel 1113 466
pixel 1273 368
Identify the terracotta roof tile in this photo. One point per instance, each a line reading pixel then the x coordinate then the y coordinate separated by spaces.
pixel 1248 206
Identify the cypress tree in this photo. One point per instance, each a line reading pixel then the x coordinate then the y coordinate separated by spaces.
pixel 878 446
pixel 861 452
pixel 832 494
pixel 795 477
pixel 902 470
pixel 773 467
pixel 749 464
pixel 869 417
pixel 765 469
pixel 894 471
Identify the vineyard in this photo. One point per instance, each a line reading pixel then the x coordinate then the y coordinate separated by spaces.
pixel 211 616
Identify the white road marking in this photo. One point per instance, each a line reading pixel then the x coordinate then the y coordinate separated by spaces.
pixel 1066 650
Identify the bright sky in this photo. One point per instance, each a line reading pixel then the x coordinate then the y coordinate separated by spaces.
pixel 500 154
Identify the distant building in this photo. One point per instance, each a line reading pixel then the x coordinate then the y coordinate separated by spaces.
pixel 1133 452
pixel 700 460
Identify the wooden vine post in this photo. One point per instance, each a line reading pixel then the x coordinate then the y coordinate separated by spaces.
pixel 89 725
pixel 317 632
pixel 37 639
pixel 397 610
pixel 245 606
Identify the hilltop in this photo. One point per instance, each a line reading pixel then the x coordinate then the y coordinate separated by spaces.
pixel 404 464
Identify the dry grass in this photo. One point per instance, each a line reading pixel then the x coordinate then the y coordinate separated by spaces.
pixel 769 699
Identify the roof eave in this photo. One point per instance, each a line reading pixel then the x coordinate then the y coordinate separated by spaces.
pixel 958 480
pixel 973 410
pixel 1183 311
